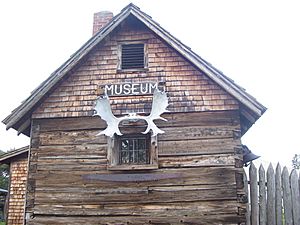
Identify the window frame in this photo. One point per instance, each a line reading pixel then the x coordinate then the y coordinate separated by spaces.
pixel 113 154
pixel 119 65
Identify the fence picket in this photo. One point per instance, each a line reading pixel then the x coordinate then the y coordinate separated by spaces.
pixel 274 196
pixel 278 195
pixel 262 196
pixel 253 195
pixel 247 194
pixel 287 198
pixel 271 195
pixel 295 197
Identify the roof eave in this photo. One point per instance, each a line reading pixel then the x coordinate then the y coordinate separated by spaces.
pixel 9 156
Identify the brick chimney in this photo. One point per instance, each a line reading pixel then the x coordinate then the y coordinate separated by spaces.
pixel 101 19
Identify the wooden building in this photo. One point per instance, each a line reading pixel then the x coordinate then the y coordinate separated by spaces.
pixel 15 200
pixel 190 174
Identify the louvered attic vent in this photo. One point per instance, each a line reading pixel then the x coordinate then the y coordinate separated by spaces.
pixel 133 56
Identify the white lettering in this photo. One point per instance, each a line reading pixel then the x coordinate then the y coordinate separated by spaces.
pixel 152 87
pixel 126 89
pixel 144 89
pixel 134 89
pixel 109 88
pixel 131 88
pixel 116 89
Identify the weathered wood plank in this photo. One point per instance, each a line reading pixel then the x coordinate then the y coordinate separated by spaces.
pixel 72 150
pixel 199 132
pixel 162 209
pixel 271 216
pixel 254 195
pixel 248 213
pixel 66 162
pixel 287 197
pixel 140 195
pixel 189 176
pixel 189 147
pixel 278 195
pixel 262 196
pixel 72 137
pixel 295 197
pixel 122 220
pixel 197 161
pixel 216 118
pixel 32 168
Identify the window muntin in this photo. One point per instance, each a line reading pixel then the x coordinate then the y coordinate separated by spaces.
pixel 134 150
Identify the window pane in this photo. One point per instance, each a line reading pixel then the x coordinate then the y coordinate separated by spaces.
pixel 124 144
pixel 142 157
pixel 124 157
pixel 131 157
pixel 141 144
pixel 134 150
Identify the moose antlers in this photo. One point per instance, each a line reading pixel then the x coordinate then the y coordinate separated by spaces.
pixel 159 105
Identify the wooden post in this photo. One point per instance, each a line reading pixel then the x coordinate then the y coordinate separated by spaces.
pixel 270 195
pixel 253 195
pixel 295 197
pixel 247 194
pixel 262 196
pixel 278 195
pixel 287 197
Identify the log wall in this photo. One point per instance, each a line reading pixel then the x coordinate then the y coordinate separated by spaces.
pixel 199 180
pixel 17 190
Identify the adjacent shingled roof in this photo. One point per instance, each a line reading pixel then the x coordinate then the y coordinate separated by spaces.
pixel 9 156
pixel 251 109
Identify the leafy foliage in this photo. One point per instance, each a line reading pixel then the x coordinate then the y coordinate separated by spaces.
pixel 296 161
pixel 4 174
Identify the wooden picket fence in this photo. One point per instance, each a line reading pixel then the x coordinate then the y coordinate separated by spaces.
pixel 273 196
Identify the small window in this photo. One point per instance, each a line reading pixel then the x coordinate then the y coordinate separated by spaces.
pixel 132 56
pixel 132 152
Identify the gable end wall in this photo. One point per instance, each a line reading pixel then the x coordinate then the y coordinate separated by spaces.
pixel 188 89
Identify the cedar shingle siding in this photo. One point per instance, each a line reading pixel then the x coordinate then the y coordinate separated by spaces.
pixel 17 190
pixel 188 89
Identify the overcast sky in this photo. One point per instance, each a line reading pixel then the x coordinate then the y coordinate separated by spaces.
pixel 256 43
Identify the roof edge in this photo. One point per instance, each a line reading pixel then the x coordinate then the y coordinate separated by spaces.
pixel 21 112
pixel 8 156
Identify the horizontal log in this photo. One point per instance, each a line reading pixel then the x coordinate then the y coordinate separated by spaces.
pixel 71 137
pixel 208 146
pixel 199 132
pixel 188 176
pixel 215 118
pixel 146 195
pixel 87 142
pixel 72 150
pixel 197 161
pixel 124 220
pixel 159 209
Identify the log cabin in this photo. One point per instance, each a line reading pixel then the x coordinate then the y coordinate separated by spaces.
pixel 135 128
